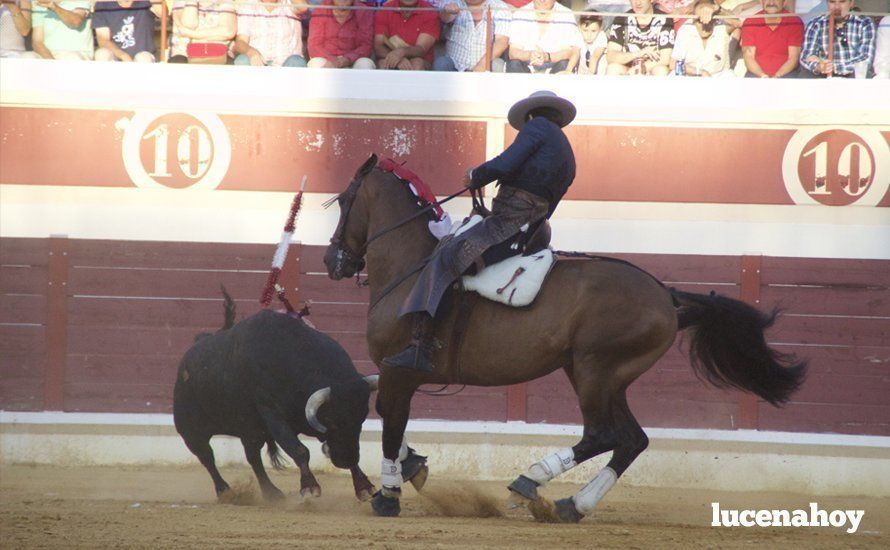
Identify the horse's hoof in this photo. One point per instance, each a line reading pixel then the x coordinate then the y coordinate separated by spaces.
pixel 566 511
pixel 364 495
pixel 515 500
pixel 525 487
pixel 418 480
pixel 314 491
pixel 414 469
pixel 385 506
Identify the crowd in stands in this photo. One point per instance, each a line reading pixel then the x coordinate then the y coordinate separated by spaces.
pixel 717 38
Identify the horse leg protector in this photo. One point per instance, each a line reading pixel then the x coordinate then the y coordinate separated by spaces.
pixel 587 498
pixel 541 472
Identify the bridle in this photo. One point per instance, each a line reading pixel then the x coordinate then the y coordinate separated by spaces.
pixel 346 200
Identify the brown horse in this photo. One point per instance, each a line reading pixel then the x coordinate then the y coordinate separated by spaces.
pixel 603 322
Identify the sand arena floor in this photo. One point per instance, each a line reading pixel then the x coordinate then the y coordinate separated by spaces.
pixel 168 507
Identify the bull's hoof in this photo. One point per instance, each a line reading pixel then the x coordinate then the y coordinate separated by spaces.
pixel 312 490
pixel 414 469
pixel 384 506
pixel 566 511
pixel 525 487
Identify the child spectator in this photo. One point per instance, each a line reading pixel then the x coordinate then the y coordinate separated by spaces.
pixel 15 25
pixel 854 43
pixel 125 30
pixel 340 39
pixel 61 30
pixel 404 39
pixel 642 43
pixel 771 45
pixel 595 43
pixel 270 33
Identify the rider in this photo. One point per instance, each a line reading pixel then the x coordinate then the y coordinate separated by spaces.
pixel 533 174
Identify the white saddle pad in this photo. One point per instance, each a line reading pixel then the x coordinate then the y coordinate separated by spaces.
pixel 514 281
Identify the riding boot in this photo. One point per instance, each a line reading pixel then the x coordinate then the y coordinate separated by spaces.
pixel 417 355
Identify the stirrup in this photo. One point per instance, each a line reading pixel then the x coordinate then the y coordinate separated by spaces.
pixel 411 358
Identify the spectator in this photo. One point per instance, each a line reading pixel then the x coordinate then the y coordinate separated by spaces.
pixel 61 29
pixel 125 30
pixel 15 25
pixel 771 45
pixel 642 43
pixel 404 39
pixel 203 31
pixel 702 44
pixel 882 49
pixel 270 33
pixel 594 46
pixel 544 38
pixel 854 43
pixel 466 35
pixel 341 39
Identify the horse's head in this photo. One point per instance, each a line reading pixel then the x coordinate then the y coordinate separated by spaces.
pixel 345 255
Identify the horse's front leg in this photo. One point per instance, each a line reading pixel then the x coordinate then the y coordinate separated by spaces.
pixel 394 407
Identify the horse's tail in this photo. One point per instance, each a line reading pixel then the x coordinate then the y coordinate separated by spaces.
pixel 229 306
pixel 728 348
pixel 274 457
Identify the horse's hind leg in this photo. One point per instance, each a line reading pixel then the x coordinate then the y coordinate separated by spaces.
pixel 591 386
pixel 608 425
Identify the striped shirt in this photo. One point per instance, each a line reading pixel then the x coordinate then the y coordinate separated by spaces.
pixel 465 40
pixel 854 41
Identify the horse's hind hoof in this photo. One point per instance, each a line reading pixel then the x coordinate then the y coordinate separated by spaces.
pixel 566 511
pixel 414 469
pixel 385 506
pixel 525 487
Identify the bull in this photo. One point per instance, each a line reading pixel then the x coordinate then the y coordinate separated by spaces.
pixel 265 380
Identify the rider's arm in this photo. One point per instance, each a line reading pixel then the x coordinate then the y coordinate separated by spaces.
pixel 527 142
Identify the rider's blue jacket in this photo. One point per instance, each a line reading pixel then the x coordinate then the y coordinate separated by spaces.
pixel 539 161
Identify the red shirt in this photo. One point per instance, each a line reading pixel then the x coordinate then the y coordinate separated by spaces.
pixel 517 3
pixel 352 39
pixel 390 23
pixel 772 44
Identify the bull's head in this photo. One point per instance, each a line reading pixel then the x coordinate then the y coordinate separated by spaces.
pixel 339 412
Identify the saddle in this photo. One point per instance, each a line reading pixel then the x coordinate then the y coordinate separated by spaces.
pixel 514 270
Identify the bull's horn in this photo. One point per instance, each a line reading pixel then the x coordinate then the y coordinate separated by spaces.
pixel 373 381
pixel 315 401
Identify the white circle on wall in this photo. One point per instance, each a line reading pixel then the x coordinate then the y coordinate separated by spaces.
pixel 874 158
pixel 214 150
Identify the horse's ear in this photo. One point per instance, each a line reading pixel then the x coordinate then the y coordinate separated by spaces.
pixel 366 167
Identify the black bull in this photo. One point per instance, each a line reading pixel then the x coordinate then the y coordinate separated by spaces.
pixel 265 380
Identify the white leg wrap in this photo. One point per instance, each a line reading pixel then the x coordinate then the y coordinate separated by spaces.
pixel 588 497
pixel 391 473
pixel 559 462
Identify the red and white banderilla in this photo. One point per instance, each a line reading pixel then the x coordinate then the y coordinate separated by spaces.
pixel 281 253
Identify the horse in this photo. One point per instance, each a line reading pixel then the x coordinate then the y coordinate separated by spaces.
pixel 604 323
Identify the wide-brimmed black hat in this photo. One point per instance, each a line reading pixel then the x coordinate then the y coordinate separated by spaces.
pixel 544 98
